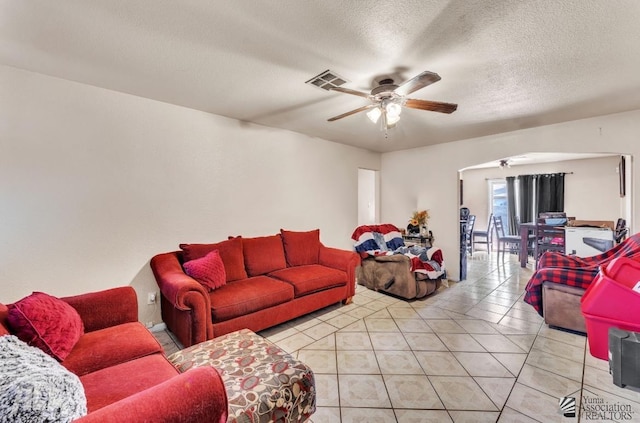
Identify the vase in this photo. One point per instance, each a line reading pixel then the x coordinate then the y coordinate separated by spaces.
pixel 413 229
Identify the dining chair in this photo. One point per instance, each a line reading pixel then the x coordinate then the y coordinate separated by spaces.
pixel 483 237
pixel 621 230
pixel 548 238
pixel 468 233
pixel 504 241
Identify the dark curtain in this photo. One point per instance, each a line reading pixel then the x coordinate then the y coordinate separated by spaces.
pixel 550 193
pixel 511 205
pixel 525 202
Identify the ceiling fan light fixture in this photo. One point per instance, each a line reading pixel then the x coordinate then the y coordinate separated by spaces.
pixel 393 111
pixel 392 119
pixel 374 114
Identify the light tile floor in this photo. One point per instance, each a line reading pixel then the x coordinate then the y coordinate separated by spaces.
pixel 472 352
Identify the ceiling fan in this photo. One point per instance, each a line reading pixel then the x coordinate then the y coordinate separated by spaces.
pixel 387 100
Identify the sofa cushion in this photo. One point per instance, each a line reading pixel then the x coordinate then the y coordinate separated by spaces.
pixel 230 253
pixel 111 346
pixel 311 278
pixel 46 322
pixel 248 295
pixel 114 383
pixel 208 270
pixel 301 248
pixel 263 254
pixel 36 388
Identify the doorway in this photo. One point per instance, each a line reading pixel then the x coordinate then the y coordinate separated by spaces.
pixel 368 196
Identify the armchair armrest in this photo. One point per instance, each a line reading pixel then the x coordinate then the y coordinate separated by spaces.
pixel 344 260
pixel 102 309
pixel 195 396
pixel 190 315
pixel 396 258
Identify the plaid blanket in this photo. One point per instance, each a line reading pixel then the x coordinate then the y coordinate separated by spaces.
pixel 574 271
pixel 386 239
pixel 629 248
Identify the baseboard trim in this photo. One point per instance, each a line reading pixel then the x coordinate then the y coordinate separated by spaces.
pixel 158 327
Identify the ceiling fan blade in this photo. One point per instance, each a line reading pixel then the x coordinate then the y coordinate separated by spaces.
pixel 417 82
pixel 349 91
pixel 433 106
pixel 353 112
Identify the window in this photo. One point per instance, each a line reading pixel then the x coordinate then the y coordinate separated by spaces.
pixel 498 199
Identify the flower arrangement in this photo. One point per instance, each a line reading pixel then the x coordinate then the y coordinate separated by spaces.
pixel 419 218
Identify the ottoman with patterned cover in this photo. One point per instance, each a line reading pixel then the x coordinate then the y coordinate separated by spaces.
pixel 263 382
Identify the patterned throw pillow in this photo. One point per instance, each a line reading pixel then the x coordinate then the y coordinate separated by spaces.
pixel 230 252
pixel 46 322
pixel 208 270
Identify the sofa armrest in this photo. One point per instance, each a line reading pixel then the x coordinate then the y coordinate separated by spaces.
pixel 344 260
pixel 103 309
pixel 189 299
pixel 195 396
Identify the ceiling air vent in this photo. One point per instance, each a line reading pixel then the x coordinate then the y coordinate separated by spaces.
pixel 326 80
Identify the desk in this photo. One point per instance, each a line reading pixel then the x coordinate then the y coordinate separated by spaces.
pixel 525 229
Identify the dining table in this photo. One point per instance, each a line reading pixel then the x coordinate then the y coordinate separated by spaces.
pixel 526 229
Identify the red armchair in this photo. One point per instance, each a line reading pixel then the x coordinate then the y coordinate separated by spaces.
pixel 124 372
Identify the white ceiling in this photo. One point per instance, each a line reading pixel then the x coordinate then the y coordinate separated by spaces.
pixel 509 64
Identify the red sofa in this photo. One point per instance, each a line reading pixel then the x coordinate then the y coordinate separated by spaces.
pixel 124 372
pixel 269 280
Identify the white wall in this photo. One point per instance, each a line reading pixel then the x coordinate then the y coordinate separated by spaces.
pixel 93 183
pixel 428 177
pixel 592 188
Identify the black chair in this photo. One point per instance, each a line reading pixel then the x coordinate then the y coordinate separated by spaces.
pixel 621 230
pixel 512 242
pixel 483 237
pixel 548 238
pixel 468 233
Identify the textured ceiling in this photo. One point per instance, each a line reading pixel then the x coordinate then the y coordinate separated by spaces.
pixel 508 64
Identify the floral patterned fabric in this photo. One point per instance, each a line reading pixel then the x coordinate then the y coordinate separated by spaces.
pixel 263 383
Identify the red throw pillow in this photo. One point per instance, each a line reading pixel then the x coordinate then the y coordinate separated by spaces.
pixel 46 322
pixel 263 254
pixel 301 248
pixel 230 253
pixel 208 270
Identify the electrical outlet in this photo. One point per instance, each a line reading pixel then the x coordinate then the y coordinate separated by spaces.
pixel 151 298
